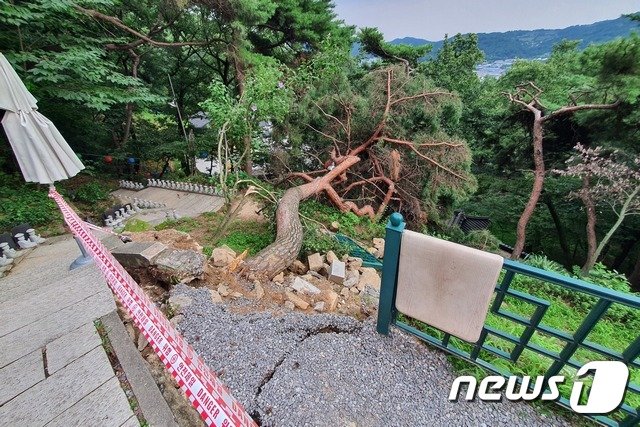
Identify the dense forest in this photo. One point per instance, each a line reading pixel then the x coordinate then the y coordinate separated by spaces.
pixel 549 151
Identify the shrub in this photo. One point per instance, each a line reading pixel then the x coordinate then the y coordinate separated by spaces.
pixel 361 228
pixel 317 241
pixel 24 203
pixel 240 240
pixel 91 192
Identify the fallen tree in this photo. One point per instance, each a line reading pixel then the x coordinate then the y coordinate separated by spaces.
pixel 391 154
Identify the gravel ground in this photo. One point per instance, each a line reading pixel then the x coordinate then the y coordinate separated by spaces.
pixel 292 369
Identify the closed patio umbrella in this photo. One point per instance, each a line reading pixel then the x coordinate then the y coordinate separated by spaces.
pixel 42 153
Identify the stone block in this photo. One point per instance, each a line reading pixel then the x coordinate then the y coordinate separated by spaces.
pixel 315 262
pixel 138 254
pixel 304 287
pixel 331 298
pixel 179 265
pixel 297 301
pixel 337 272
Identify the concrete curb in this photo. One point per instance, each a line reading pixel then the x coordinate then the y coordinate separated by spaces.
pixel 154 408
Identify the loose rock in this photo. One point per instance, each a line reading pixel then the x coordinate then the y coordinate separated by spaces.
pixel 299 302
pixel 370 296
pixel 298 267
pixel 179 265
pixel 142 342
pixel 369 277
pixel 331 256
pixel 352 278
pixel 175 320
pixel 279 278
pixel 378 243
pixel 258 290
pixel 215 296
pixel 354 263
pixel 337 272
pixel 224 290
pixel 315 262
pixel 222 256
pixel 304 287
pixel 335 226
pixel 289 305
pixel 319 306
pixel 331 298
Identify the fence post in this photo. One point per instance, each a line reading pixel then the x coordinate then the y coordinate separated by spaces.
pixel 391 259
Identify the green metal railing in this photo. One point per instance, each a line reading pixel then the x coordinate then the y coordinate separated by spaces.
pixel 356 250
pixel 485 352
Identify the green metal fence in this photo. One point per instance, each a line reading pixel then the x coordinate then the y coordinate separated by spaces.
pixel 517 328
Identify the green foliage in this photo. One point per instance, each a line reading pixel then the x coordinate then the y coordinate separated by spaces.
pixel 373 43
pixel 79 69
pixel 183 224
pixel 20 203
pixel 91 192
pixel 479 239
pixel 207 250
pixel 454 67
pixel 266 98
pixel 317 241
pixel 253 240
pixel 137 225
pixel 616 330
pixel 359 228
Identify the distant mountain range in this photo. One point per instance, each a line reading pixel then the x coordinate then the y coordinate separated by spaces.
pixel 534 44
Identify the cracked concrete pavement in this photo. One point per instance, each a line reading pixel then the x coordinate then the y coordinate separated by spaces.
pixel 292 369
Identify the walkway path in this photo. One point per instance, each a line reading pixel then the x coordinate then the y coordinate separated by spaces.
pixel 53 368
pixel 185 204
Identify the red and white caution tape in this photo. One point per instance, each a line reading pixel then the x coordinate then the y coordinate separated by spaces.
pixel 201 385
pixel 102 229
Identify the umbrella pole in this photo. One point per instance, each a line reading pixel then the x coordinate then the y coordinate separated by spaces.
pixel 83 259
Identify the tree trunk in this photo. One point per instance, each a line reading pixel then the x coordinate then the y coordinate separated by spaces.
pixel 562 236
pixel 289 233
pixel 592 240
pixel 239 67
pixel 129 108
pixel 248 160
pixel 538 183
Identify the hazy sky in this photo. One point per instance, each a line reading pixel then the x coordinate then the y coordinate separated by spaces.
pixel 431 19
